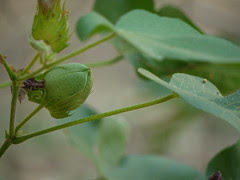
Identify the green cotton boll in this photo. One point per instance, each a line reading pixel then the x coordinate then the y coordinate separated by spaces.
pixel 51 24
pixel 66 88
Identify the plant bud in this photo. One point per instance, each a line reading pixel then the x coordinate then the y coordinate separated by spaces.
pixel 39 45
pixel 51 24
pixel 66 87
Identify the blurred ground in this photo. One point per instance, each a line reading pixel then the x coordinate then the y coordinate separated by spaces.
pixel 51 157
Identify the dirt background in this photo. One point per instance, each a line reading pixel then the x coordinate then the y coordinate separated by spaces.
pixel 50 157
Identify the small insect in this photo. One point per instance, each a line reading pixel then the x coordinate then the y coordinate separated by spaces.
pixel 29 85
pixel 204 81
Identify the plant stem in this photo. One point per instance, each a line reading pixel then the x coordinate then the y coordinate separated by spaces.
pixel 6 84
pixel 15 90
pixel 10 72
pixel 83 49
pixel 94 117
pixel 31 64
pixel 5 146
pixel 21 124
pixel 91 65
pixel 75 53
pixel 104 63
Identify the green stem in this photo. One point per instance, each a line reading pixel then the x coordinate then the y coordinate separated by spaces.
pixel 15 91
pixel 5 146
pixel 94 117
pixel 75 53
pixel 10 72
pixel 21 124
pixel 6 84
pixel 31 64
pixel 90 65
pixel 104 63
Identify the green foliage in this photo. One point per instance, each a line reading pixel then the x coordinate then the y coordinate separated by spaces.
pixel 227 162
pixel 104 141
pixel 202 94
pixel 175 12
pixel 163 38
pixel 223 75
pixel 83 136
pixel 161 42
pixel 114 9
pixel 152 167
pixel 112 140
pixel 92 24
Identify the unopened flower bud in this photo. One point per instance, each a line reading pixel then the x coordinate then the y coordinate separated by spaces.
pixel 51 24
pixel 66 87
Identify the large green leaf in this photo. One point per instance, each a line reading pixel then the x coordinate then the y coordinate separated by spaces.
pixel 150 167
pixel 114 9
pixel 223 75
pixel 162 38
pixel 138 60
pixel 175 12
pixel 202 94
pixel 227 162
pixel 103 140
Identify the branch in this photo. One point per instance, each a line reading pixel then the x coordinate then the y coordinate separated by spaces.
pixel 5 84
pixel 104 63
pixel 31 64
pixel 10 72
pixel 75 53
pixel 5 146
pixel 94 117
pixel 21 124
pixel 15 91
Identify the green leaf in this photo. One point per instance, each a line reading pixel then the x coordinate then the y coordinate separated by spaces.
pixel 227 162
pixel 174 12
pixel 163 38
pixel 224 76
pixel 112 140
pixel 103 141
pixel 114 9
pixel 91 24
pixel 83 136
pixel 203 95
pixel 118 8
pixel 161 68
pixel 150 167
